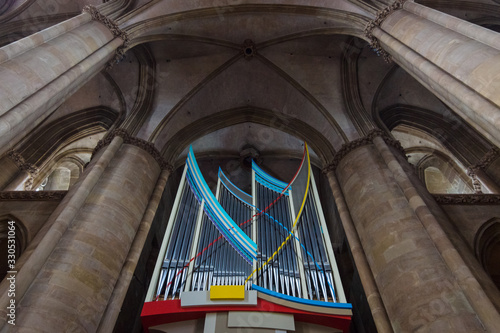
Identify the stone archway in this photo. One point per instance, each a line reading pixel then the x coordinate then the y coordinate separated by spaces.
pixel 487 248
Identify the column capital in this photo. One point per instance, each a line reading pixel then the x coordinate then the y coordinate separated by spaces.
pixel 379 18
pixel 115 30
pixel 31 169
pixel 140 143
pixel 366 140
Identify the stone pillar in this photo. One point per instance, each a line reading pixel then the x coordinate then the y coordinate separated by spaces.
pixel 454 59
pixel 113 309
pixel 40 71
pixel 92 232
pixel 422 283
pixel 373 297
pixel 454 231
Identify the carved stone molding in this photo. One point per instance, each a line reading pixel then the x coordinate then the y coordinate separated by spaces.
pixel 486 160
pixel 21 163
pixel 32 195
pixel 389 140
pixel 381 16
pixel 483 165
pixel 16 158
pixel 143 144
pixel 475 182
pixel 368 139
pixel 467 199
pixel 31 169
pixel 119 55
pixel 346 149
pixel 115 30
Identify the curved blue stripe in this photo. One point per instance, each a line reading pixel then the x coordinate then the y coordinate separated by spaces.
pixel 218 224
pixel 268 178
pixel 229 228
pixel 215 221
pixel 270 186
pixel 237 196
pixel 215 205
pixel 231 237
pixel 302 300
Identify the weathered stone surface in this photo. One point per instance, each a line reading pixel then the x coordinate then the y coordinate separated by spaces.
pixel 415 283
pixel 82 270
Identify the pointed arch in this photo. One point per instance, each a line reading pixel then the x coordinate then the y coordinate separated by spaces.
pixel 180 140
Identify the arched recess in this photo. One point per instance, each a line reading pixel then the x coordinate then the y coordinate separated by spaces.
pixel 459 138
pixel 62 171
pixel 63 176
pixel 487 248
pixel 451 178
pixel 222 119
pixel 11 228
pixel 46 140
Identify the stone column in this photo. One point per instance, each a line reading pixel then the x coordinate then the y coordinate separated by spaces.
pixel 373 297
pixel 454 59
pixel 113 309
pixel 94 229
pixel 422 283
pixel 40 71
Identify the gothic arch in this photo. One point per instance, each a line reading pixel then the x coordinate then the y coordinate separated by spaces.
pixel 446 165
pixel 172 148
pixel 487 248
pixel 263 89
pixel 141 25
pixel 178 26
pixel 69 160
pixel 46 140
pixel 468 147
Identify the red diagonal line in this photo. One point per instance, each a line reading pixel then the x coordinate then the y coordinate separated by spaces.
pixel 243 223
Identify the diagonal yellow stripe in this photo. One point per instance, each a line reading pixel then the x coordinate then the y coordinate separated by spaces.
pixel 296 219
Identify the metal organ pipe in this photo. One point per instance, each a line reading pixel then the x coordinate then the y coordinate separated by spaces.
pixel 301 266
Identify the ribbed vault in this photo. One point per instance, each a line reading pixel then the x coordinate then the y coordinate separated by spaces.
pixel 290 125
